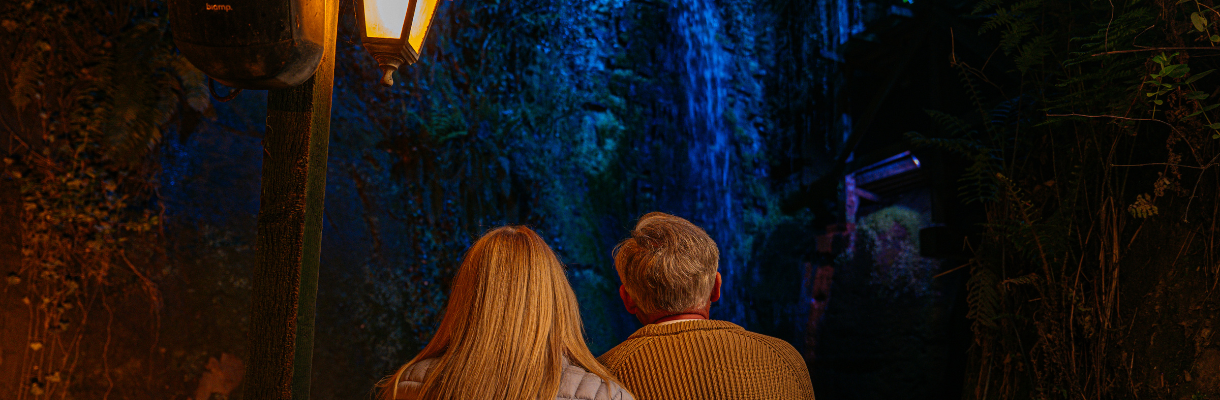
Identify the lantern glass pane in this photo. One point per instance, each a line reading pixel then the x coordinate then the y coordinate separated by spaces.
pixel 419 25
pixel 384 18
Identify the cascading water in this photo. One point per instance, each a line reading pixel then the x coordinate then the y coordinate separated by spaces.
pixel 704 68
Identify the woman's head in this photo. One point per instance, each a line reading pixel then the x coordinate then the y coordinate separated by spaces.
pixel 510 318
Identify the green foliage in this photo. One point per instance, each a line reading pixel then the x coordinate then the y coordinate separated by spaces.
pixel 892 237
pixel 983 299
pixel 1177 82
pixel 1020 36
pixel 1021 228
pixel 979 183
pixel 1093 77
pixel 1142 207
pixel 1092 82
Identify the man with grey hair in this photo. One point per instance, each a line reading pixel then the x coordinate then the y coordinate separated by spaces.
pixel 668 269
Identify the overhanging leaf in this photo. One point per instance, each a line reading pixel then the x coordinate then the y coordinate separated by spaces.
pixel 1199 22
pixel 1175 71
pixel 1205 109
pixel 1198 76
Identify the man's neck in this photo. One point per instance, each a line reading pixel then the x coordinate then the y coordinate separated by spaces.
pixel 678 318
pixel 666 317
pixel 673 321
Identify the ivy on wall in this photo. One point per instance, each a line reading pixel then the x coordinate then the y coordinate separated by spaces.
pixel 89 91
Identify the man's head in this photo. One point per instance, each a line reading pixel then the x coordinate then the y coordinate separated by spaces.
pixel 667 266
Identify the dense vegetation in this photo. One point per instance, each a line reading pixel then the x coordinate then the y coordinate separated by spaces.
pixel 90 89
pixel 1094 154
pixel 1089 130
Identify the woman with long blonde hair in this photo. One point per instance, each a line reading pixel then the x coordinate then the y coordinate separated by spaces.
pixel 511 331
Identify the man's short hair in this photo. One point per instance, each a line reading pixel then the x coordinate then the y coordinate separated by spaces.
pixel 667 264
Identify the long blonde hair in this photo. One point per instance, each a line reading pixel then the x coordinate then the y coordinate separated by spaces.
pixel 511 318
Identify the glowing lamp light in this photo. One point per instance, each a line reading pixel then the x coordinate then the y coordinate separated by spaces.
pixel 393 31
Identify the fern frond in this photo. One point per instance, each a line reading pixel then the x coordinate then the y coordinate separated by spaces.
pixel 1018 20
pixel 1033 52
pixel 1028 280
pixel 985 5
pixel 978 182
pixel 982 299
pixel 29 73
pixel 951 125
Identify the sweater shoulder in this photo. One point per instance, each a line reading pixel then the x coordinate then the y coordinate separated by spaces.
pixel 614 358
pixel 780 348
pixel 788 356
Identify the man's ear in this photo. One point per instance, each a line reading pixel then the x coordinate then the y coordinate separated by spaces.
pixel 628 303
pixel 715 290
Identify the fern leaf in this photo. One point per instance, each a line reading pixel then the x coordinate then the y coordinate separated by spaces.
pixel 982 299
pixel 26 82
pixel 1026 280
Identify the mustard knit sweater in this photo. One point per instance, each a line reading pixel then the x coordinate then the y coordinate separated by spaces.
pixel 708 360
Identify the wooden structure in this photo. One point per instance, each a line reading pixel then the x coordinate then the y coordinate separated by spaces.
pixel 285 281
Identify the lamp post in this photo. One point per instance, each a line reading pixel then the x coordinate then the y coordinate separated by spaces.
pixel 392 42
pixel 274 44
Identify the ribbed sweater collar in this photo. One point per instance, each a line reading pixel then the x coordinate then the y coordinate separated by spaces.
pixel 684 326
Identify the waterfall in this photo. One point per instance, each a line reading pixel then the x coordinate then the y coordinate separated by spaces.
pixel 704 65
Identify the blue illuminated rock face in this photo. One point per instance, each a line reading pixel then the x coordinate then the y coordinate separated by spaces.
pixel 574 119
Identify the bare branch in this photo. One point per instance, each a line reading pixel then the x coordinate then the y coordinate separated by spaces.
pixel 1155 49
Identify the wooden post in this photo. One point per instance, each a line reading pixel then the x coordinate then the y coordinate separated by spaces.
pixel 290 232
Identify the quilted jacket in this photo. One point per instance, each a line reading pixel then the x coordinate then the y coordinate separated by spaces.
pixel 574 384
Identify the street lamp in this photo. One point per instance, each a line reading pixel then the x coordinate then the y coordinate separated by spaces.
pixel 288 46
pixel 393 44
pixel 277 44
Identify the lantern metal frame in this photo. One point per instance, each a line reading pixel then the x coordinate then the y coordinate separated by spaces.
pixel 393 53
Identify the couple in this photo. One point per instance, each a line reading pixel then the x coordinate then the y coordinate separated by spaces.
pixel 512 330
